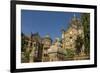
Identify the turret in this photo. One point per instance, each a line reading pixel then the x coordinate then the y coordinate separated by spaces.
pixel 63 33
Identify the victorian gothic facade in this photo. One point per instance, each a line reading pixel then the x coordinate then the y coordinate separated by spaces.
pixel 38 49
pixel 72 33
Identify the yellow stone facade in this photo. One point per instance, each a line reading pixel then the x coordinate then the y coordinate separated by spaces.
pixel 70 35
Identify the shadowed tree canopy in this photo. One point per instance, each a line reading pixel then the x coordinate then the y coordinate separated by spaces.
pixel 79 43
pixel 85 19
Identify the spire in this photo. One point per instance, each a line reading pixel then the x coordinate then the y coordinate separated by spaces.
pixel 62 30
pixel 74 17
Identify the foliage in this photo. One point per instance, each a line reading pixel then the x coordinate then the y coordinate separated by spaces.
pixel 25 57
pixel 78 44
pixel 70 53
pixel 85 18
pixel 23 42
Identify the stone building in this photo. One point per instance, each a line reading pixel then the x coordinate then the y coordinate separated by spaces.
pixel 56 52
pixel 33 48
pixel 70 35
pixel 43 49
pixel 37 45
pixel 47 42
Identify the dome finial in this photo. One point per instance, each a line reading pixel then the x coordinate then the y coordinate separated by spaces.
pixel 57 39
pixel 47 36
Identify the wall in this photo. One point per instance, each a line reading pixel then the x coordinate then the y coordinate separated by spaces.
pixel 5 36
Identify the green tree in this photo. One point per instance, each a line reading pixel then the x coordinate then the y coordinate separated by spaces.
pixel 85 19
pixel 23 43
pixel 78 44
pixel 24 54
pixel 70 53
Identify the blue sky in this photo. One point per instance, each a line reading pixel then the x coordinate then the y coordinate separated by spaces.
pixel 45 22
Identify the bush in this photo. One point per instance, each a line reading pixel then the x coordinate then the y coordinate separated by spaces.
pixel 70 53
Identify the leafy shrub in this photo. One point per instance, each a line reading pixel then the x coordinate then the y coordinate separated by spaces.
pixel 70 53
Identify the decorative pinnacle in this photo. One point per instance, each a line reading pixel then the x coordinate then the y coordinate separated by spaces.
pixel 74 15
